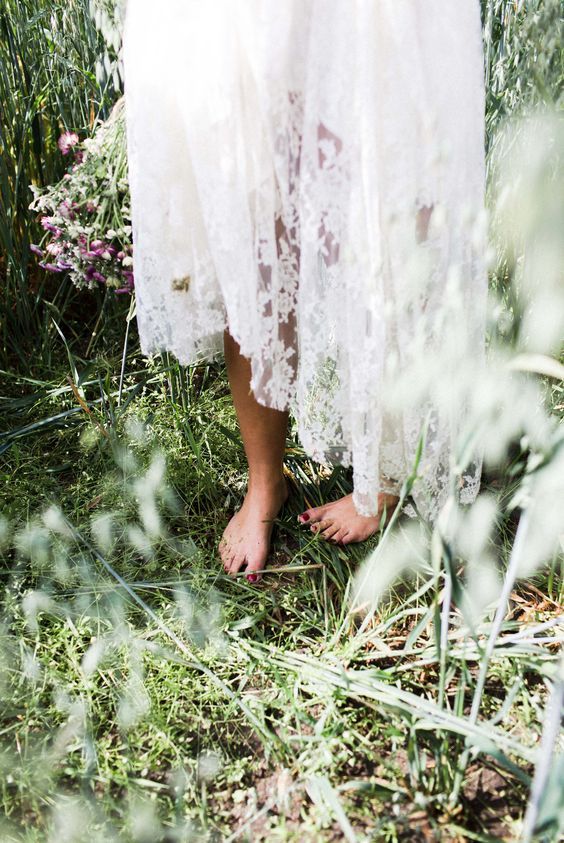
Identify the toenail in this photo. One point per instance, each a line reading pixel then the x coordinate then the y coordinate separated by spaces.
pixel 252 577
pixel 304 517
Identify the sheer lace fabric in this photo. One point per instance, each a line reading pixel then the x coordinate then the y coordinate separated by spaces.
pixel 309 175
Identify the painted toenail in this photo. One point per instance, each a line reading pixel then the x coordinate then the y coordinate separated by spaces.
pixel 304 517
pixel 252 577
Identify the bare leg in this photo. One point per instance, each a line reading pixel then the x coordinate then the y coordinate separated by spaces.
pixel 246 540
pixel 422 220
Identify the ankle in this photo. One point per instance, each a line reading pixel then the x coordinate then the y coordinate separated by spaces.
pixel 266 483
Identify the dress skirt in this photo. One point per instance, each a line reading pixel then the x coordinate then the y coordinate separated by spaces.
pixel 310 176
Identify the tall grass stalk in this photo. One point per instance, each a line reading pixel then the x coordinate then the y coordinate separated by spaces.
pixel 548 762
pixel 515 561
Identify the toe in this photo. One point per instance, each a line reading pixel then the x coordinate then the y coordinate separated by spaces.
pixel 236 564
pixel 225 555
pixel 320 526
pixel 339 536
pixel 229 562
pixel 254 566
pixel 224 548
pixel 311 516
pixel 330 531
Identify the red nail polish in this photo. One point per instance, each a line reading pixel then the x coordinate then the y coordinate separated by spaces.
pixel 252 577
pixel 304 517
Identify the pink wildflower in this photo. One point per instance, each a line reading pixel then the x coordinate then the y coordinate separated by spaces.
pixel 48 226
pixel 49 266
pixel 65 210
pixel 67 141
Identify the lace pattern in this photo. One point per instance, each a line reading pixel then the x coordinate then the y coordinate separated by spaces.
pixel 310 176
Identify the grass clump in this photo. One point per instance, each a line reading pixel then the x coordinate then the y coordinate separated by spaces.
pixel 140 682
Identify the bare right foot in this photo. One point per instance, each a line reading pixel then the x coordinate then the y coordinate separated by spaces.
pixel 246 540
pixel 339 521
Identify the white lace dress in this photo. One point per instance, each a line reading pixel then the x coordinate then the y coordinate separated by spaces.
pixel 310 175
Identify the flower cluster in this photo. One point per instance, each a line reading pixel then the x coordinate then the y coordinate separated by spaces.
pixel 86 216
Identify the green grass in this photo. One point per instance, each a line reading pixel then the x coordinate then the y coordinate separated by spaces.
pixel 146 696
pixel 269 684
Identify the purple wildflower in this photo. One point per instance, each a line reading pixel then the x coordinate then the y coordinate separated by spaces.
pixel 36 250
pixel 97 276
pixel 90 206
pixel 99 249
pixel 128 287
pixel 48 226
pixel 65 210
pixel 49 266
pixel 126 276
pixel 67 141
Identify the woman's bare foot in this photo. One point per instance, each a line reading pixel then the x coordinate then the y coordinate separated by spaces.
pixel 339 522
pixel 246 540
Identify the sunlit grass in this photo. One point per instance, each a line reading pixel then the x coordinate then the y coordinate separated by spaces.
pixel 147 696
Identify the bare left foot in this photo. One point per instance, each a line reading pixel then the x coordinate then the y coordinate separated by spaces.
pixel 339 522
pixel 246 540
